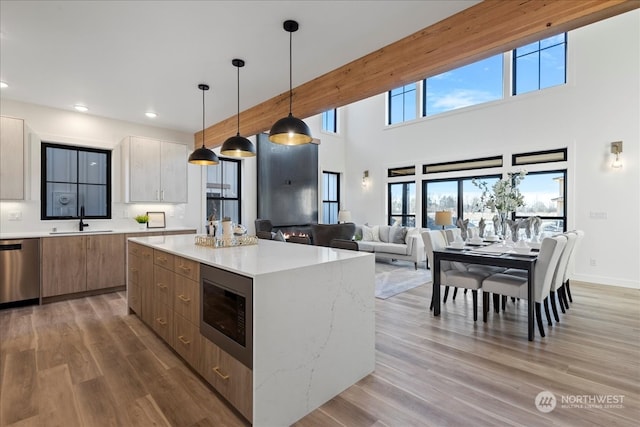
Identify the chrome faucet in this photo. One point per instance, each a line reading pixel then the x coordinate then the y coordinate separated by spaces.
pixel 82 223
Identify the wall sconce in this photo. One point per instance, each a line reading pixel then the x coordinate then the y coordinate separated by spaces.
pixel 365 178
pixel 616 148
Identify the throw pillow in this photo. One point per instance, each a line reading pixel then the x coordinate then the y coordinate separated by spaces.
pixel 383 233
pixel 279 237
pixel 370 234
pixel 397 234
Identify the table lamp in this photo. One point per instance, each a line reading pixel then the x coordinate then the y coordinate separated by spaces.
pixel 344 216
pixel 443 218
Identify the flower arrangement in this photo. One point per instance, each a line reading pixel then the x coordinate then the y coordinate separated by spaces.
pixel 142 219
pixel 504 196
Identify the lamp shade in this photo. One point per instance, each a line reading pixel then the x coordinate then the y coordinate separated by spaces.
pixel 444 218
pixel 204 157
pixel 290 131
pixel 344 216
pixel 238 146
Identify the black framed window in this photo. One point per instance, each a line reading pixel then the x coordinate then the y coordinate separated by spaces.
pixel 330 197
pixel 402 203
pixel 544 196
pixel 458 195
pixel 540 64
pixel 329 121
pixel 402 104
pixel 73 178
pixel 223 190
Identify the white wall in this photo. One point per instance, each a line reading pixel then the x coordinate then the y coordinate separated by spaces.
pixel 599 104
pixel 53 125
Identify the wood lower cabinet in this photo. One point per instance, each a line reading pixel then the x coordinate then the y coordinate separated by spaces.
pixel 72 264
pixel 169 303
pixel 63 265
pixel 229 377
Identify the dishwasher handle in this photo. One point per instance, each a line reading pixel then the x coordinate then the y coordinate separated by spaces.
pixel 12 247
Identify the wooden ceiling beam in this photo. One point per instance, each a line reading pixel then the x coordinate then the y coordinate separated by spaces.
pixel 485 29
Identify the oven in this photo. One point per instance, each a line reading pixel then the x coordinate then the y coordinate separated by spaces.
pixel 226 312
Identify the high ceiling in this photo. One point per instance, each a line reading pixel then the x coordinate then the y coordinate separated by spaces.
pixel 123 58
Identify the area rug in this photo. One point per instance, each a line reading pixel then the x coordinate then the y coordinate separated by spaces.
pixel 394 277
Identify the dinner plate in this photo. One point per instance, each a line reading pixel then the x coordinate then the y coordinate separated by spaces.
pixel 456 248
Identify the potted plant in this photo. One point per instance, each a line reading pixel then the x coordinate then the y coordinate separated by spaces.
pixel 142 220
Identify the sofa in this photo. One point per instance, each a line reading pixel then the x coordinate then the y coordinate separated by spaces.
pixel 391 242
pixel 323 234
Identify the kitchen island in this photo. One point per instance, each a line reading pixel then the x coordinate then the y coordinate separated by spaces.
pixel 312 319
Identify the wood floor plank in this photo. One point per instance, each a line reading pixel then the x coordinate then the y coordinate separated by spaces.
pixel 97 405
pixel 144 411
pixel 58 408
pixel 19 388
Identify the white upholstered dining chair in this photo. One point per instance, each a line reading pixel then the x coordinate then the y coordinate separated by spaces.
pixel 557 288
pixel 517 286
pixel 452 273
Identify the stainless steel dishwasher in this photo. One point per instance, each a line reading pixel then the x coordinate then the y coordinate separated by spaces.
pixel 19 270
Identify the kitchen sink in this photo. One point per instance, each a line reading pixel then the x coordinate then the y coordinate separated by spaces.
pixel 81 232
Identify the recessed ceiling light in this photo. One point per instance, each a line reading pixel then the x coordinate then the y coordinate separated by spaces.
pixel 81 108
pixel 3 85
pixel 151 114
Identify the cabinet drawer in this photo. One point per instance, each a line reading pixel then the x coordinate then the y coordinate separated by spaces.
pixel 186 338
pixel 162 258
pixel 134 298
pixel 187 268
pixel 163 285
pixel 209 356
pixel 186 300
pixel 163 321
pixel 235 383
pixel 133 269
pixel 139 250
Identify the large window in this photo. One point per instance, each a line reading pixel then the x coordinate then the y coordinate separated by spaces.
pixel 544 196
pixel 402 104
pixel 402 203
pixel 458 195
pixel 329 121
pixel 472 84
pixel 540 65
pixel 330 197
pixel 75 179
pixel 223 190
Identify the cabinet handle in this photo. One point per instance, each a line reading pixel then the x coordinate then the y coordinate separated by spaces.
pixel 146 255
pixel 183 298
pixel 220 374
pixel 184 341
pixel 88 242
pixel 161 321
pixel 185 269
pixel 162 195
pixel 134 270
pixel 162 259
pixel 161 285
pixel 157 194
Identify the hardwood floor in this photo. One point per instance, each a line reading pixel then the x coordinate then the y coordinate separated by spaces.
pixel 85 362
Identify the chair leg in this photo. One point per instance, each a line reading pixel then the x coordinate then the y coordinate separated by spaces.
pixel 563 294
pixel 566 286
pixel 416 264
pixel 485 306
pixel 475 304
pixel 496 303
pixel 504 302
pixel 552 297
pixel 455 292
pixel 546 311
pixel 539 319
pixel 560 300
pixel 446 293
pixel 431 305
pixel 465 290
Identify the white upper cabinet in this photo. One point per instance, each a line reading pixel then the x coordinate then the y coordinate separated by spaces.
pixel 12 159
pixel 154 170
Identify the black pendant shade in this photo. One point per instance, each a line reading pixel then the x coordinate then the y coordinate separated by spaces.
pixel 203 156
pixel 238 146
pixel 290 130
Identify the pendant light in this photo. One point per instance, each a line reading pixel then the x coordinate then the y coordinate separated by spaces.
pixel 203 156
pixel 290 130
pixel 238 146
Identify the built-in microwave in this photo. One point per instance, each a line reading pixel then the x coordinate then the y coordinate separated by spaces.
pixel 226 312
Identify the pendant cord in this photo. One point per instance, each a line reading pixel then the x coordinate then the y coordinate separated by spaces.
pixel 238 115
pixel 203 119
pixel 290 73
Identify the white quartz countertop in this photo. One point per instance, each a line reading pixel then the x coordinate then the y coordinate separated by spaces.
pixel 38 234
pixel 268 256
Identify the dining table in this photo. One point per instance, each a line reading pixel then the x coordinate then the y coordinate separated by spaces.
pixel 498 254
